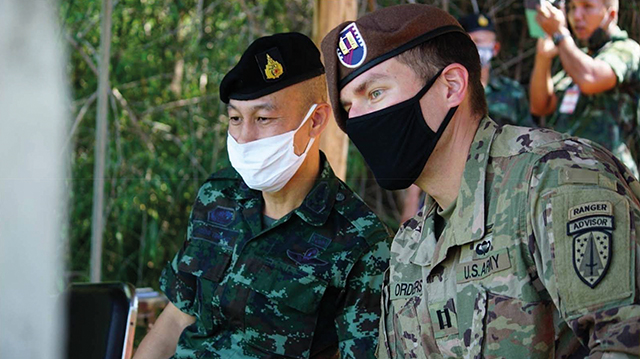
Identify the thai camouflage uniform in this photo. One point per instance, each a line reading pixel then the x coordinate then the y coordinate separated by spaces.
pixel 503 280
pixel 507 101
pixel 611 117
pixel 308 284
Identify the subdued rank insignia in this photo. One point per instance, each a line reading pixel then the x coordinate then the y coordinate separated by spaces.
pixel 351 49
pixel 221 215
pixel 591 225
pixel 271 64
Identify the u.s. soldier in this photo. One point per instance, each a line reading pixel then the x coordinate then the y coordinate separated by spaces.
pixel 281 258
pixel 527 245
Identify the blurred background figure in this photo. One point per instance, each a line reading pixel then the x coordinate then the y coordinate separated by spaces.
pixel 595 95
pixel 506 98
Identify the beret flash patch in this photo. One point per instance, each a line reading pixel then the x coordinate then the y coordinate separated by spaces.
pixel 270 63
pixel 351 49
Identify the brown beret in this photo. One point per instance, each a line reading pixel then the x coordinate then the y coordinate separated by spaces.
pixel 354 47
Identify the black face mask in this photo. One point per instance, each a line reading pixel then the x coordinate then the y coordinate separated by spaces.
pixel 598 39
pixel 396 141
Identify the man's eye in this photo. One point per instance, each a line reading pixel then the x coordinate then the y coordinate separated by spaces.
pixel 375 94
pixel 234 119
pixel 263 119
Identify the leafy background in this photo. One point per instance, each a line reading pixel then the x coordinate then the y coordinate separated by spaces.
pixel 167 125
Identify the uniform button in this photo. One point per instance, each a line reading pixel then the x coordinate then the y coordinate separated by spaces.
pixel 340 197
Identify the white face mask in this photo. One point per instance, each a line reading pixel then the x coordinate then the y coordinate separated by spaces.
pixel 269 163
pixel 486 54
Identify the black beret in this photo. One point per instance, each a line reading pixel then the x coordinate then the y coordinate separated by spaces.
pixel 354 47
pixel 270 64
pixel 475 22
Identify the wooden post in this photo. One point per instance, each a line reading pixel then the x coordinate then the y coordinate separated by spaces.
pixel 327 15
pixel 97 221
pixel 34 118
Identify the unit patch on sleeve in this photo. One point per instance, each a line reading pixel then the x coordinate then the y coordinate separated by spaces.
pixel 591 225
pixel 589 230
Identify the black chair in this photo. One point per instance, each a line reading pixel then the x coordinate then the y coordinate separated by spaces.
pixel 101 320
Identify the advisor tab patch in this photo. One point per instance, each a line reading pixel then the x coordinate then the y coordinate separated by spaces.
pixel 591 225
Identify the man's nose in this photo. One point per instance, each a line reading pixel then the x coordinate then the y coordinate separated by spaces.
pixel 246 134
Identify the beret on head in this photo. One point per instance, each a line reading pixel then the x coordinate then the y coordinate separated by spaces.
pixel 270 64
pixel 354 47
pixel 475 22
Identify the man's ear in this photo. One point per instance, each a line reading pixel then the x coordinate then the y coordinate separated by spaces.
pixel 496 48
pixel 456 78
pixel 319 119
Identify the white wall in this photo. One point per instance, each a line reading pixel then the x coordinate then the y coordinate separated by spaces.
pixel 33 122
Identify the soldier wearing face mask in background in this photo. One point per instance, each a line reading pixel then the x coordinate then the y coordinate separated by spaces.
pixel 281 259
pixel 506 98
pixel 596 93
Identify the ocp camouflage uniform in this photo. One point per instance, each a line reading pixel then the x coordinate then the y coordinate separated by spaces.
pixel 507 102
pixel 540 219
pixel 308 285
pixel 611 117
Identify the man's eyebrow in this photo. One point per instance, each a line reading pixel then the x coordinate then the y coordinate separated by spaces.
pixel 366 83
pixel 372 78
pixel 267 106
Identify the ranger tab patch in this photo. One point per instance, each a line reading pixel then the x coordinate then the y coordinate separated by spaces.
pixel 591 225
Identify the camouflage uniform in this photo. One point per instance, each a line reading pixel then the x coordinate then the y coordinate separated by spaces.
pixel 609 118
pixel 507 101
pixel 500 281
pixel 310 283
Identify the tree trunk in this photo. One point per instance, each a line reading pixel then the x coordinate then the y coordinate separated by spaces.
pixel 97 221
pixel 327 15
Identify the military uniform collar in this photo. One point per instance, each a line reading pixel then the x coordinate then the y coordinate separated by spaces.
pixel 468 219
pixel 467 222
pixel 494 83
pixel 316 207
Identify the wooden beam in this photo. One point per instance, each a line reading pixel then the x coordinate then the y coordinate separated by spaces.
pixel 327 15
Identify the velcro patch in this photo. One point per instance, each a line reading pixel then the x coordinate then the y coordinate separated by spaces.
pixel 480 268
pixel 444 318
pixel 590 228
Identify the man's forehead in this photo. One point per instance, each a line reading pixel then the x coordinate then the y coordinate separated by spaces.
pixel 266 103
pixel 385 70
pixel 482 35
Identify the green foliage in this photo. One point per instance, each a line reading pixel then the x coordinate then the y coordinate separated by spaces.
pixel 166 128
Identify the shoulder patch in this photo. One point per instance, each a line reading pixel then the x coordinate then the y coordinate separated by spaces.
pixel 591 234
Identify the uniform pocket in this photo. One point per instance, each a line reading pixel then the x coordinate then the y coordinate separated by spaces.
pixel 518 329
pixel 413 328
pixel 282 311
pixel 208 252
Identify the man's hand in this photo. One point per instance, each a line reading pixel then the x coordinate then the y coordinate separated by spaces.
pixel 550 18
pixel 546 49
pixel 161 341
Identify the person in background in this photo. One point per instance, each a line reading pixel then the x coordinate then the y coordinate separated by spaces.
pixel 597 93
pixel 527 245
pixel 506 98
pixel 281 259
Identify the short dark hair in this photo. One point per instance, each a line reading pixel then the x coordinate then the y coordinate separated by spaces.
pixel 433 55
